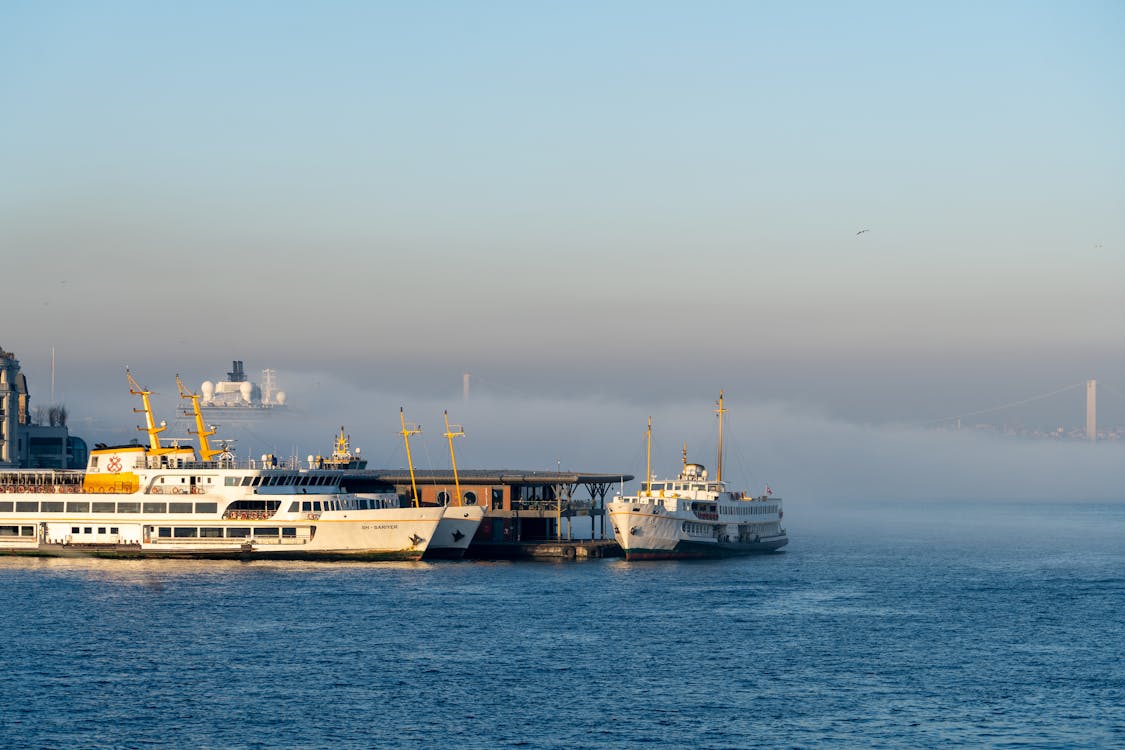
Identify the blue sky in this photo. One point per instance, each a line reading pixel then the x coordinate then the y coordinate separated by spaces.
pixel 640 201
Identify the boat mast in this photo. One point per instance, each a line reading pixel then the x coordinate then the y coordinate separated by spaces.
pixel 343 446
pixel 206 452
pixel 150 422
pixel 449 435
pixel 720 411
pixel 407 431
pixel 648 459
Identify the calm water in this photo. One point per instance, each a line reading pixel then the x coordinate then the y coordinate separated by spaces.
pixel 973 625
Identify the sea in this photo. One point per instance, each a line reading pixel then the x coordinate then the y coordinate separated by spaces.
pixel 973 624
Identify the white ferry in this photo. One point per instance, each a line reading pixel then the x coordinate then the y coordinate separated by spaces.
pixel 154 501
pixel 693 516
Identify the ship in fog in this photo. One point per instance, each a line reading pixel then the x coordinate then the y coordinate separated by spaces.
pixel 238 396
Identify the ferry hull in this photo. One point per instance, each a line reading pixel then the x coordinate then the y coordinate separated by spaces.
pixel 136 552
pixel 365 535
pixel 455 532
pixel 646 532
pixel 700 551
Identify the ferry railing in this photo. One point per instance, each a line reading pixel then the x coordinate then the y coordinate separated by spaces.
pixel 248 463
pixel 249 515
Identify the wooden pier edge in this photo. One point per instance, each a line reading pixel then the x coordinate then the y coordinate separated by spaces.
pixel 579 549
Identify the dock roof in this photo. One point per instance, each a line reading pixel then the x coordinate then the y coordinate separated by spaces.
pixel 488 476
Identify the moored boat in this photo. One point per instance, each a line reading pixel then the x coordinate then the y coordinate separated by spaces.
pixel 459 522
pixel 166 501
pixel 694 516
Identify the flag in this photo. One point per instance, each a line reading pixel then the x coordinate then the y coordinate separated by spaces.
pixel 768 491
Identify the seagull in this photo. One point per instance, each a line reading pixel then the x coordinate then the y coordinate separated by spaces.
pixel 861 232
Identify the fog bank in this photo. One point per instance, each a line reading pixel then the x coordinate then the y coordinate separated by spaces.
pixel 809 458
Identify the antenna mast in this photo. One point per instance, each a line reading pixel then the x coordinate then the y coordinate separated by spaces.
pixel 206 452
pixel 449 435
pixel 407 431
pixel 720 411
pixel 150 422
pixel 648 459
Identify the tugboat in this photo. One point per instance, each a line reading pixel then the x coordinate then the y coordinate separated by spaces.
pixel 342 456
pixel 693 516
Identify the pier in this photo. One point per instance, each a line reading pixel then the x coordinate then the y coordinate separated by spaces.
pixel 529 515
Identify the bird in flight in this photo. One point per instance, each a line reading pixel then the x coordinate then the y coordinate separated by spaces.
pixel 861 232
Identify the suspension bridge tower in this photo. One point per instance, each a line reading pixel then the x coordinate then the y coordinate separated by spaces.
pixel 1092 410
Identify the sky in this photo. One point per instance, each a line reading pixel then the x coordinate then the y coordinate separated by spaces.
pixel 603 208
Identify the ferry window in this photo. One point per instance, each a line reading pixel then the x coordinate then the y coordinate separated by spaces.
pixel 443 498
pixel 103 507
pixel 151 507
pixel 294 506
pixel 306 506
pixel 101 529
pixel 52 506
pixel 177 507
pixel 183 533
pixel 89 530
pixel 211 533
pixel 27 530
pixel 255 481
pixel 316 505
pixel 6 507
pixel 26 507
pixel 164 532
pixel 238 533
pixel 497 499
pixel 470 498
pixel 128 507
pixel 11 530
pixel 112 529
pixel 246 481
pixel 206 507
pixel 266 531
pixel 230 481
pixel 289 532
pixel 73 530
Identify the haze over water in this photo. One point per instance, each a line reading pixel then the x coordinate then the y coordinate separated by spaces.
pixel 862 221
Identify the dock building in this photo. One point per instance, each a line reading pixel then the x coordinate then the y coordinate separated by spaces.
pixel 520 506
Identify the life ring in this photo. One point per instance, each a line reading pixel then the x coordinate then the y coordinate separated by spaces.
pixel 21 488
pixel 156 490
pixel 175 490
